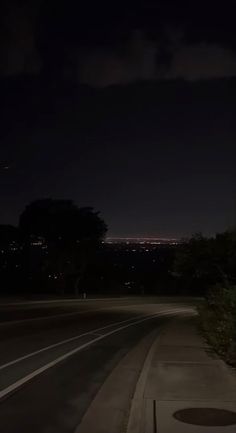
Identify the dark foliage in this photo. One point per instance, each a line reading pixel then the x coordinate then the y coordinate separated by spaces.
pixel 61 220
pixel 218 321
pixel 203 262
pixel 50 249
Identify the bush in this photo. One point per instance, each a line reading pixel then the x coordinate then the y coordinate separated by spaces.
pixel 218 321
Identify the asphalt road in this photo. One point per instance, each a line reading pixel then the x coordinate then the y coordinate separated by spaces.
pixel 55 356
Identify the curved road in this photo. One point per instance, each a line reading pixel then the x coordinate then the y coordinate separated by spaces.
pixel 55 355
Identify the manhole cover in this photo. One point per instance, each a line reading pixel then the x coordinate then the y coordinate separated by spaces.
pixel 206 416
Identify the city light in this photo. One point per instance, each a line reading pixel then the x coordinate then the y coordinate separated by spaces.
pixel 142 240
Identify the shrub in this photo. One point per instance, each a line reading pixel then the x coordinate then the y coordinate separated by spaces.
pixel 218 321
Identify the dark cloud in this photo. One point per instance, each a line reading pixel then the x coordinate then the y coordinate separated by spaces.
pixel 103 48
pixel 18 50
pixel 202 61
pixel 142 58
pixel 103 67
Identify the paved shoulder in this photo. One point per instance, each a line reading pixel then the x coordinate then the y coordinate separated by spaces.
pixel 186 389
pixel 110 408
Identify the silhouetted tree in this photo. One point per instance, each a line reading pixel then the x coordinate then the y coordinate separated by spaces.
pixel 8 234
pixel 202 262
pixel 70 236
pixel 10 258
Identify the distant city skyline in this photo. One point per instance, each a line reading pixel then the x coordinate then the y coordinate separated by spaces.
pixel 141 240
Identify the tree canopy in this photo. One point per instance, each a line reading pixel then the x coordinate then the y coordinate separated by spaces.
pixel 70 236
pixel 8 234
pixel 61 220
pixel 203 262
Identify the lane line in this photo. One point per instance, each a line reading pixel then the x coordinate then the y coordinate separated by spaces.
pixel 59 301
pixel 16 385
pixel 55 316
pixel 68 340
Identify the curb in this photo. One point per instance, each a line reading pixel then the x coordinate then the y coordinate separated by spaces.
pixel 110 409
pixel 137 411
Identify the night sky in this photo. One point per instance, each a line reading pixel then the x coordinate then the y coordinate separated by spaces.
pixel 126 106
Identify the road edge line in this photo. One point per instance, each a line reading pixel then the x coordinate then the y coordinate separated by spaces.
pixel 20 382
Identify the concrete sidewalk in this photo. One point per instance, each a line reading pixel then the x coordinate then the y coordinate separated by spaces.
pixel 180 373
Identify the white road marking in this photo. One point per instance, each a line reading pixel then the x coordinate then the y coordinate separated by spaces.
pixel 55 316
pixel 14 386
pixel 68 340
pixel 59 301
